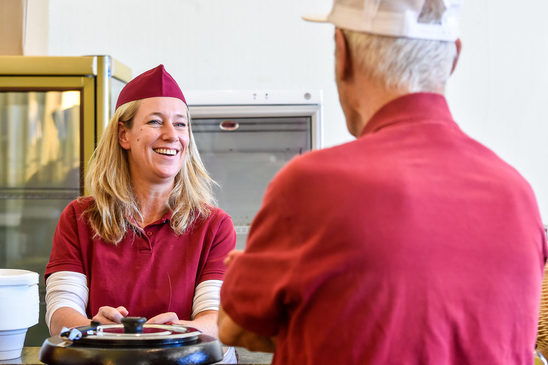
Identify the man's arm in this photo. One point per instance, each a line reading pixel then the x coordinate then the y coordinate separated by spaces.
pixel 230 333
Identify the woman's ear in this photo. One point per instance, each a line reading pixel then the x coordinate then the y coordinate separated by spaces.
pixel 343 62
pixel 122 136
pixel 458 44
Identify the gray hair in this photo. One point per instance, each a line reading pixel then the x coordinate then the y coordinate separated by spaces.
pixel 413 65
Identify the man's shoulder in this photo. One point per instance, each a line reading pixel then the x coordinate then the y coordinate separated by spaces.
pixel 496 165
pixel 318 167
pixel 324 158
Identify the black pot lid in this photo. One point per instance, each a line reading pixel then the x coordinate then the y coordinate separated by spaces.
pixel 133 332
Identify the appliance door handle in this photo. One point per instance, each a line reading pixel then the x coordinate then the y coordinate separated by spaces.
pixel 229 125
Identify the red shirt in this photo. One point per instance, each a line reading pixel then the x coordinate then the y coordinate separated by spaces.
pixel 413 244
pixel 149 273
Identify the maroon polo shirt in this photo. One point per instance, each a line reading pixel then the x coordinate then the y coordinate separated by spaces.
pixel 413 244
pixel 149 272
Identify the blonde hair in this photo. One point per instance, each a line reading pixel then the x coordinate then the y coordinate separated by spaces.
pixel 115 209
pixel 407 64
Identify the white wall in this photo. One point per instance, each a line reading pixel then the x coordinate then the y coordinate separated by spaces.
pixel 497 94
pixel 208 44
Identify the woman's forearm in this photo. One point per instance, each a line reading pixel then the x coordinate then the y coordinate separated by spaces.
pixel 205 321
pixel 66 317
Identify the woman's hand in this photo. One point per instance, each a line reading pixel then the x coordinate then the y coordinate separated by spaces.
pixel 109 315
pixel 205 321
pixel 164 318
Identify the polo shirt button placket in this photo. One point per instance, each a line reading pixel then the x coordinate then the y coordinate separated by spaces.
pixel 147 245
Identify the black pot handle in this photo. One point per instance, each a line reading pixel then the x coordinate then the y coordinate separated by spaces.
pixel 133 324
pixel 74 334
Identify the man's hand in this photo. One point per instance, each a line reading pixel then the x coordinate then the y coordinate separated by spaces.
pixel 232 255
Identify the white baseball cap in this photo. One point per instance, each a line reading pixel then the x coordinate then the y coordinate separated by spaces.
pixel 395 18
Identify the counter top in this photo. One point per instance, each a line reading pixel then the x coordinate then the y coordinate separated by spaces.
pixel 30 356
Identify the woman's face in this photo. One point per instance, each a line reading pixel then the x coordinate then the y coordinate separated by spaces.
pixel 157 141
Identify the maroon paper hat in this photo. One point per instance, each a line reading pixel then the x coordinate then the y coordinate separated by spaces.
pixel 149 84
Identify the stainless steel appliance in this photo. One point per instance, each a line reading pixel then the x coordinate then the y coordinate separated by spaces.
pixel 245 137
pixel 52 111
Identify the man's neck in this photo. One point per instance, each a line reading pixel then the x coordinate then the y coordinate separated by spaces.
pixel 365 99
pixel 370 97
pixel 376 101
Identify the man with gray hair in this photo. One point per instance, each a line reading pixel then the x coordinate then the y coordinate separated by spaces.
pixel 413 244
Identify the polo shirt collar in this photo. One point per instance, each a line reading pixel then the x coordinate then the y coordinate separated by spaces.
pixel 410 107
pixel 165 218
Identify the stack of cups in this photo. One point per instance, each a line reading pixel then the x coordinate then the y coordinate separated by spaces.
pixel 19 307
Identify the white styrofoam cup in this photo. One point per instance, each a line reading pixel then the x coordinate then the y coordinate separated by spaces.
pixel 19 309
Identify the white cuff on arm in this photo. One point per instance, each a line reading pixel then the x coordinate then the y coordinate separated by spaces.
pixel 66 289
pixel 207 296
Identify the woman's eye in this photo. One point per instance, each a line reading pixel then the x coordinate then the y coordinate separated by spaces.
pixel 154 122
pixel 180 124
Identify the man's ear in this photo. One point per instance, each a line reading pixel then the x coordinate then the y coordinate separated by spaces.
pixel 458 44
pixel 343 61
pixel 122 136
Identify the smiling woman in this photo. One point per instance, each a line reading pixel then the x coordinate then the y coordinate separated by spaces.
pixel 148 241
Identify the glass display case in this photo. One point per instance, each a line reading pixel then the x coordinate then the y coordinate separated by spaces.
pixel 52 111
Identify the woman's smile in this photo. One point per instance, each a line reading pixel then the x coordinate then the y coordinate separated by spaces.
pixel 166 151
